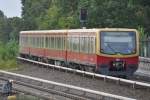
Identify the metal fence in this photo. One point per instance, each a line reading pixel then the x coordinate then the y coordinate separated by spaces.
pixel 145 48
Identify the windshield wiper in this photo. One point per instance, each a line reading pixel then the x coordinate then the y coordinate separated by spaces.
pixel 114 51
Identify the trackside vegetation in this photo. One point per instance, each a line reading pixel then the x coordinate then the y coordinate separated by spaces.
pixel 8 53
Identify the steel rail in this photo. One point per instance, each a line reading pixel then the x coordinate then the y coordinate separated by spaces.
pixel 43 89
pixel 144 59
pixel 118 80
pixel 69 87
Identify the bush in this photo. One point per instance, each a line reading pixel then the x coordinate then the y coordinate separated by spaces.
pixel 8 53
pixel 8 50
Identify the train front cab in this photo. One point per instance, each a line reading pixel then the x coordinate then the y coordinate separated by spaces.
pixel 117 52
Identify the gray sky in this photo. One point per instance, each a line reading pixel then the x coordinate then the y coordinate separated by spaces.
pixel 11 8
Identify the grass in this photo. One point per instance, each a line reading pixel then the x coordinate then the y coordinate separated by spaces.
pixel 9 64
pixel 20 97
pixel 27 97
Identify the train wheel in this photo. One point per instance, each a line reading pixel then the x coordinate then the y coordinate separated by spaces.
pixel 122 76
pixel 59 63
pixel 83 68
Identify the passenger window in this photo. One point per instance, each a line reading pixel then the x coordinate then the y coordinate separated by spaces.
pixel 42 42
pixel 59 43
pixel 89 45
pixel 32 41
pixel 70 46
pixel 49 42
pixel 46 42
pixel 29 40
pixel 62 43
pixel 94 44
pixel 69 43
pixel 81 44
pixel 56 42
pixel 86 44
pixel 35 41
pixel 75 44
pixel 52 42
pixel 22 39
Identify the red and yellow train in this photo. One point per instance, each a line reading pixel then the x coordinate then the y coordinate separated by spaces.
pixel 109 51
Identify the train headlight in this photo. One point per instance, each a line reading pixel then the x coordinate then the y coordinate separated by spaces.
pixel 114 64
pixel 118 64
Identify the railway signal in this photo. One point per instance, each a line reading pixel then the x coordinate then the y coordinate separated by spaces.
pixel 83 16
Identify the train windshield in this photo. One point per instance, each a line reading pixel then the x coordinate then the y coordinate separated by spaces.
pixel 117 42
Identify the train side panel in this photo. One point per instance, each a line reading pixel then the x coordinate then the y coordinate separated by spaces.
pixel 48 45
pixel 81 48
pixel 23 45
pixel 56 48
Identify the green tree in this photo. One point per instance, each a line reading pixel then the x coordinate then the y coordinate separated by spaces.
pixel 16 25
pixel 4 35
pixel 56 14
pixel 32 11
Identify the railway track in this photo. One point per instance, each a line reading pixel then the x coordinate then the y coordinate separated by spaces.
pixel 143 72
pixel 118 86
pixel 22 90
pixel 55 91
pixel 94 75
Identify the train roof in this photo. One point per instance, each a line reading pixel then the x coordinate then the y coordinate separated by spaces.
pixel 74 30
pixel 43 31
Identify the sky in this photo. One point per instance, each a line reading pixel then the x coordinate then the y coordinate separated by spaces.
pixel 11 8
